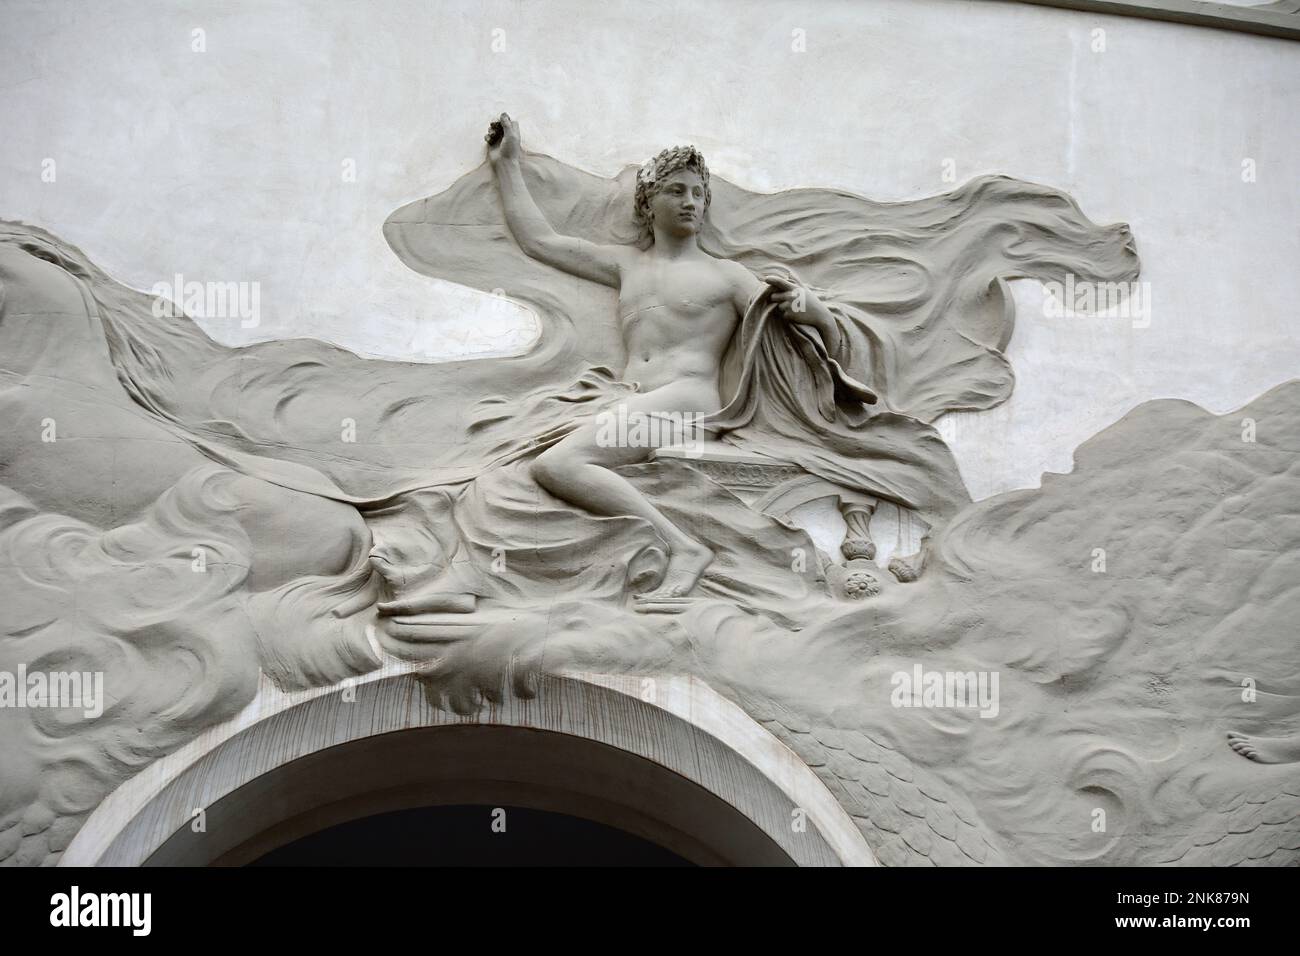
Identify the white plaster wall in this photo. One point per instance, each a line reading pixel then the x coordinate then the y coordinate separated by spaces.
pixel 226 165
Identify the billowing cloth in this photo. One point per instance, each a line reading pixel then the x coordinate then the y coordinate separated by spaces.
pixel 916 287
pixel 792 400
pixel 921 279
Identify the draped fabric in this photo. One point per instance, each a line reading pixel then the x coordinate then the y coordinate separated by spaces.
pixel 916 288
pixel 794 401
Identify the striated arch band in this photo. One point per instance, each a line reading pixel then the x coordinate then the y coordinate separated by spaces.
pixel 686 769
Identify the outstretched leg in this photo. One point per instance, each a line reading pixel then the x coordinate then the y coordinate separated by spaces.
pixel 578 470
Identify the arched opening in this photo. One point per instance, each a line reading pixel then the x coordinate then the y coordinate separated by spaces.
pixel 476 765
pixel 461 836
pixel 682 768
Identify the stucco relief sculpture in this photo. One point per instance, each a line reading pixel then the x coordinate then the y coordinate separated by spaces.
pixel 183 516
pixel 711 355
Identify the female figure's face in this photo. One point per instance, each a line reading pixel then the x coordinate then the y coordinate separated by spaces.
pixel 677 207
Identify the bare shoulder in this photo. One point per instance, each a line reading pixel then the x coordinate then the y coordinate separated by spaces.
pixel 731 270
pixel 742 281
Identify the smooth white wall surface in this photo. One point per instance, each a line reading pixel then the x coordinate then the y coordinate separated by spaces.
pixel 227 164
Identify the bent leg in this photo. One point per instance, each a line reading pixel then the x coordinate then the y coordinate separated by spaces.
pixel 578 470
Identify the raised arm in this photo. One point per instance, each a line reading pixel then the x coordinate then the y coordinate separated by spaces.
pixel 528 223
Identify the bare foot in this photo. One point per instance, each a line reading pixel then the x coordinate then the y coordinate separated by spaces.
pixel 1266 749
pixel 685 565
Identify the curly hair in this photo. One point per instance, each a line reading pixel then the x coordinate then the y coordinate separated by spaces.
pixel 650 177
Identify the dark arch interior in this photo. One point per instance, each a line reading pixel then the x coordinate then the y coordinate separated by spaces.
pixel 471 835
pixel 408 796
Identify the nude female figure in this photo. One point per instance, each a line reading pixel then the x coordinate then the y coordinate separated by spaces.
pixel 678 308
